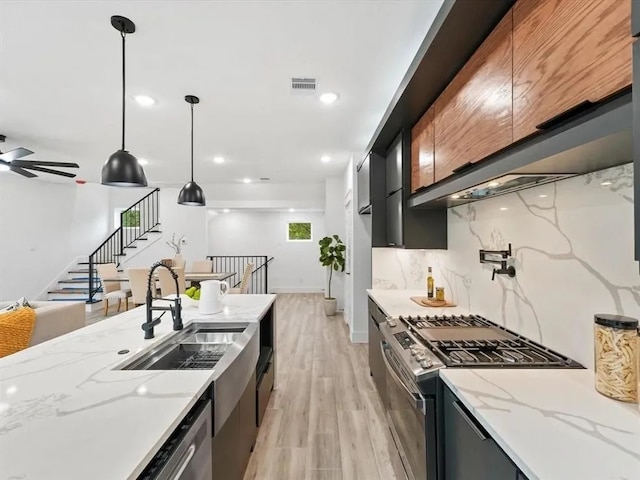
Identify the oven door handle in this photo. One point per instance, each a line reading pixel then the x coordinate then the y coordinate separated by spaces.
pixel 419 401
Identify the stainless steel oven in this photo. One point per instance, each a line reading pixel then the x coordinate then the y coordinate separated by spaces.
pixel 410 415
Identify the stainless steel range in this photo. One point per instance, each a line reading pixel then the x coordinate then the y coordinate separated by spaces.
pixel 413 349
pixel 474 341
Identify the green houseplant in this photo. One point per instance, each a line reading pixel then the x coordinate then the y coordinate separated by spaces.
pixel 332 256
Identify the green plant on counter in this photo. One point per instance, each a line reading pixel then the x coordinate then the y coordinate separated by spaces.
pixel 332 255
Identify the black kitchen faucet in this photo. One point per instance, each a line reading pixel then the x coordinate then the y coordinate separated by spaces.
pixel 175 309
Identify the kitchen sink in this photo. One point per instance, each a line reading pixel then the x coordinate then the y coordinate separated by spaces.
pixel 198 347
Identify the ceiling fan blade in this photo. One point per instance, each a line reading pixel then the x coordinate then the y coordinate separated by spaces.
pixel 52 172
pixel 36 163
pixel 23 172
pixel 15 154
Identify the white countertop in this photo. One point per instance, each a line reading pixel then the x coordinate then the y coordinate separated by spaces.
pixel 66 414
pixel 552 423
pixel 398 302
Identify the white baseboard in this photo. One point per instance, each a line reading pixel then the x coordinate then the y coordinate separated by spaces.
pixel 296 290
pixel 359 337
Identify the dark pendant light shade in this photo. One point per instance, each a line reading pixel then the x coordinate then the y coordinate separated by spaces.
pixel 191 194
pixel 122 169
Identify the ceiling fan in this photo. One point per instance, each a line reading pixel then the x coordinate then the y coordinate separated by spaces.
pixel 11 159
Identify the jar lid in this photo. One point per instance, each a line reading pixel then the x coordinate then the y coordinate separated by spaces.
pixel 616 321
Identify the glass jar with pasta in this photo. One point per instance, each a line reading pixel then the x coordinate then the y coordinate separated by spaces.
pixel 616 356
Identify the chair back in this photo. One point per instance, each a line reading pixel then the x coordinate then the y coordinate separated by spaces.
pixel 202 266
pixel 108 270
pixel 244 284
pixel 138 281
pixel 168 284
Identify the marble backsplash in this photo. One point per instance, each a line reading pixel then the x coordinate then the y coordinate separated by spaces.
pixel 572 244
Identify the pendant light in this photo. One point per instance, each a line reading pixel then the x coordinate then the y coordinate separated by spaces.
pixel 191 193
pixel 122 169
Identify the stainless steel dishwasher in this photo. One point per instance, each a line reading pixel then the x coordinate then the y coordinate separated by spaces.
pixel 187 453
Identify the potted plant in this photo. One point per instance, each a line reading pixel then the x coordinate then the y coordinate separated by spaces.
pixel 332 256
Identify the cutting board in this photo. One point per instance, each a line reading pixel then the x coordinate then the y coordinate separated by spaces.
pixel 425 302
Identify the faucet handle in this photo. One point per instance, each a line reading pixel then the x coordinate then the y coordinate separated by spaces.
pixel 148 328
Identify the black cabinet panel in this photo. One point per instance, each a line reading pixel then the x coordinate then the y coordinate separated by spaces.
pixel 636 141
pixel 635 19
pixel 395 220
pixel 470 453
pixel 376 362
pixel 364 185
pixel 394 167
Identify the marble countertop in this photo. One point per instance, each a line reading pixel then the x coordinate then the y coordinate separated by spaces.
pixel 551 423
pixel 67 413
pixel 398 302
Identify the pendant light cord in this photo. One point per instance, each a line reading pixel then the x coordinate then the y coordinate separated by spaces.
pixel 123 87
pixel 192 142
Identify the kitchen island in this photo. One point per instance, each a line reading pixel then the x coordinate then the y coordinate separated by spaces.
pixel 551 423
pixel 68 411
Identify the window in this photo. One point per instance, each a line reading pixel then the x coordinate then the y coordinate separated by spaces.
pixel 131 218
pixel 299 232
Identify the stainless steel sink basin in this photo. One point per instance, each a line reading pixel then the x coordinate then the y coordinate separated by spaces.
pixel 198 347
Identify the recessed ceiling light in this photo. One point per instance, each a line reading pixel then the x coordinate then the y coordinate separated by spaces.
pixel 494 184
pixel 4 168
pixel 606 183
pixel 542 196
pixel 218 160
pixel 225 210
pixel 455 197
pixel 328 98
pixel 144 100
pixel 292 210
pixel 503 208
pixel 143 161
pixel 325 159
pixel 246 180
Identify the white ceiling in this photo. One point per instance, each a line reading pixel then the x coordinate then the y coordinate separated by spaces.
pixel 60 82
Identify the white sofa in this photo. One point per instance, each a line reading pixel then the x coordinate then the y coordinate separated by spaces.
pixel 54 319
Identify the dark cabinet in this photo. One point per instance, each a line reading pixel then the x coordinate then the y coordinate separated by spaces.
pixel 394 167
pixel 635 18
pixel 376 362
pixel 371 184
pixel 364 187
pixel 395 222
pixel 469 451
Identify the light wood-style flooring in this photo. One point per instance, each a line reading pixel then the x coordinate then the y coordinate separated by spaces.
pixel 325 420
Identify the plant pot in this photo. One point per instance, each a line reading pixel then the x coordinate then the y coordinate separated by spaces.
pixel 330 306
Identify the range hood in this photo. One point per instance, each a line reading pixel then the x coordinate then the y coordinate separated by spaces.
pixel 597 140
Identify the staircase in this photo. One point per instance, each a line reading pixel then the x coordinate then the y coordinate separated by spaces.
pixel 138 224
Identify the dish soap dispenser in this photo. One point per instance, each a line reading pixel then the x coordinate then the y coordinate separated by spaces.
pixel 429 284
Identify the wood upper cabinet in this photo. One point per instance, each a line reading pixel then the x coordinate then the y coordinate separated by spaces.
pixel 473 115
pixel 566 52
pixel 422 151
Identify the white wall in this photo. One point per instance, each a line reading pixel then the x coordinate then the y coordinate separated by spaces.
pixel 335 225
pixel 295 268
pixel 573 247
pixel 45 226
pixel 303 196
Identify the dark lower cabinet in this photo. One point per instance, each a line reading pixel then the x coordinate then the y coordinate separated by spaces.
pixel 265 386
pixel 232 445
pixel 376 362
pixel 469 451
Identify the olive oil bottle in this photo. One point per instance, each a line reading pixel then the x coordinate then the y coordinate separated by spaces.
pixel 429 284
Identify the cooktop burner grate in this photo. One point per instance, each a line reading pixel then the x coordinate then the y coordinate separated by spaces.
pixel 435 321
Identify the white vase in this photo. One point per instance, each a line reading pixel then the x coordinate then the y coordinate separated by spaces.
pixel 330 306
pixel 179 261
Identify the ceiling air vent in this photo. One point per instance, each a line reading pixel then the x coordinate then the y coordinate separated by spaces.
pixel 303 85
pixel 264 179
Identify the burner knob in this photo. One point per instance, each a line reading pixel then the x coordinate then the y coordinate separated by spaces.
pixel 426 363
pixel 392 323
pixel 420 357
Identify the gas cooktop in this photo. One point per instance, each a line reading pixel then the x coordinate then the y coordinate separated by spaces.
pixel 474 341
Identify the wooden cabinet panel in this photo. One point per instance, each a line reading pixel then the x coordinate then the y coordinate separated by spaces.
pixel 422 150
pixel 566 52
pixel 473 116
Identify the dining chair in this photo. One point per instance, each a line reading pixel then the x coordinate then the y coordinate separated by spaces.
pixel 244 284
pixel 180 263
pixel 112 290
pixel 138 281
pixel 202 266
pixel 168 284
